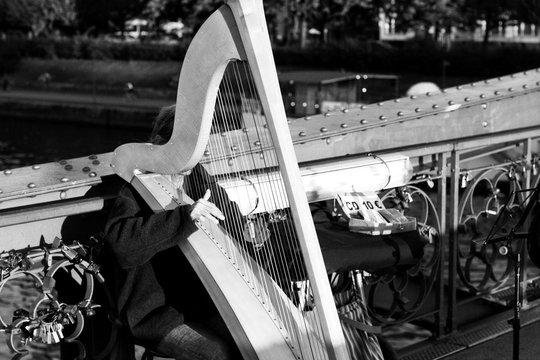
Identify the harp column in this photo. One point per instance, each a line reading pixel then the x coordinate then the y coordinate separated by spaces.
pixel 249 15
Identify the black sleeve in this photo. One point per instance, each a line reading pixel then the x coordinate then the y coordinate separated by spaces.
pixel 198 182
pixel 135 233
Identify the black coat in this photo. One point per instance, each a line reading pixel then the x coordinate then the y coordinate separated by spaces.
pixel 157 289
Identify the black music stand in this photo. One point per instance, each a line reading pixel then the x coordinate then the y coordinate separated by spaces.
pixel 507 249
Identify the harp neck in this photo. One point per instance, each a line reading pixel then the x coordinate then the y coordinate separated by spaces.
pixel 214 46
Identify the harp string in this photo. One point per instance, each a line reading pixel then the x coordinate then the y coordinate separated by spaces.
pixel 251 112
pixel 240 149
pixel 289 237
pixel 293 269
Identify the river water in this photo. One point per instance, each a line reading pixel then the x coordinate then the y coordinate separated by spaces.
pixel 25 142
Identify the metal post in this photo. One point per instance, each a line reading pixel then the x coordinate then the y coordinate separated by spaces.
pixel 527 152
pixel 453 241
pixel 441 202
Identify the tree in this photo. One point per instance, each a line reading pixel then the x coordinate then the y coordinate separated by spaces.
pixel 38 17
pixel 102 16
pixel 528 11
pixel 490 11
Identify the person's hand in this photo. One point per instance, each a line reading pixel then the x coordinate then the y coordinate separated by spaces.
pixel 203 208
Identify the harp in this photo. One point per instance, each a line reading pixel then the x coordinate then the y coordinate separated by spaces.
pixel 273 293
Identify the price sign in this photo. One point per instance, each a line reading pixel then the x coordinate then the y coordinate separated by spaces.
pixel 362 205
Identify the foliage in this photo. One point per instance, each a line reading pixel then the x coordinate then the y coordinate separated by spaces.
pixel 291 22
pixel 490 11
pixel 38 17
pixel 103 16
pixel 94 49
pixel 463 59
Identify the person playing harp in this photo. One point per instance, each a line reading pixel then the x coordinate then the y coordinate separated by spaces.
pixel 160 297
pixel 230 122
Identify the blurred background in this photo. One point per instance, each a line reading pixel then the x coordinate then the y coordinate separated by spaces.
pixel 82 77
pixel 83 63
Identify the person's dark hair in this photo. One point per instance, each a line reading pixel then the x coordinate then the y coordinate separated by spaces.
pixel 163 125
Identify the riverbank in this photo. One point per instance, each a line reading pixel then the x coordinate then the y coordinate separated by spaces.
pixel 151 79
pixel 62 107
pixel 94 91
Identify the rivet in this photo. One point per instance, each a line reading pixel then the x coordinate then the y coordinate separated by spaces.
pixel 234 148
pixel 429 93
pixel 400 113
pixel 397 100
pixel 92 157
pixel 444 91
pixel 510 89
pixel 327 113
pixel 95 162
pixel 382 117
pixel 293 104
pixel 206 153
pixel 345 111
pixel 35 167
pixel 363 107
pixel 323 129
pixel 62 162
pixel 473 84
pixel 484 124
pixel 459 87
pixel 1 192
pixel 246 129
pixel 486 81
pixel 86 169
pixel 467 99
pixel 413 97
pixel 417 110
pixel 451 102
pixel 328 141
pixel 31 185
pixel 363 121
pixel 497 92
pixel 64 179
pixel 7 172
pixel 499 78
pixel 265 126
pixel 224 134
pixel 435 106
pixel 482 96
pixel 68 167
pixel 301 133
pixel 343 126
pixel 484 106
pixel 307 118
pixel 525 86
pixel 257 143
pixel 63 194
pixel 230 162
pixel 261 155
pixel 512 75
pixel 92 174
pixel 380 103
pixel 304 104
